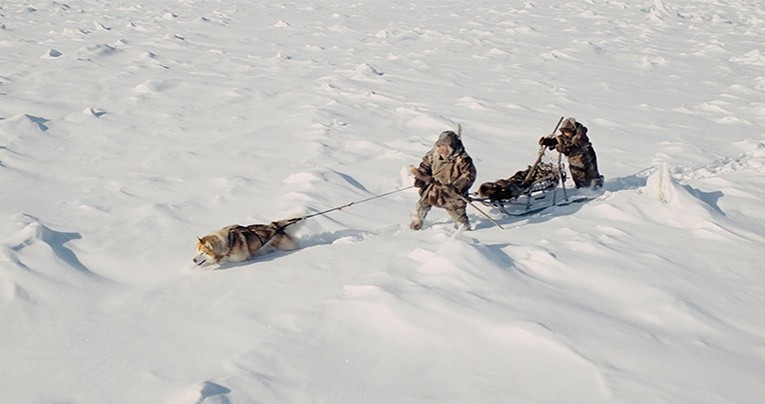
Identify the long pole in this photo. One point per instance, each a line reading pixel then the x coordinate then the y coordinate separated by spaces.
pixel 469 202
pixel 541 153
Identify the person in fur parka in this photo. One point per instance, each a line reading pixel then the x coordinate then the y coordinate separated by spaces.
pixel 575 145
pixel 444 178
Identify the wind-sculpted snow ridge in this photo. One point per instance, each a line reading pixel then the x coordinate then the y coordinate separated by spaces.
pixel 38 255
pixel 41 273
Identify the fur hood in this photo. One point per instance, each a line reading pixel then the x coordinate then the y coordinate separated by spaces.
pixel 572 124
pixel 452 141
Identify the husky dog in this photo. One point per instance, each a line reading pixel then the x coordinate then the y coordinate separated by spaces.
pixel 239 243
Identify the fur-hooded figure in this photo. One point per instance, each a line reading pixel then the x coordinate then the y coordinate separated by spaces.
pixel 574 127
pixel 444 178
pixel 440 174
pixel 575 145
pixel 452 142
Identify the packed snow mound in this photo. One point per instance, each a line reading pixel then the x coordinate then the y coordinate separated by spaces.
pixel 661 186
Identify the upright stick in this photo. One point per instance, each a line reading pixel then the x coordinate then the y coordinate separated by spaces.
pixel 541 152
pixel 562 174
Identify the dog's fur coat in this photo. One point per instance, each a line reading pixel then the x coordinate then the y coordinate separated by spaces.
pixel 239 243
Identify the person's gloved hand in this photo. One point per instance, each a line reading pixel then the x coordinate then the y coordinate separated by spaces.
pixel 427 179
pixel 547 141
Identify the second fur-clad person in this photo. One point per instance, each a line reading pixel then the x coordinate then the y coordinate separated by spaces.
pixel 444 178
pixel 575 145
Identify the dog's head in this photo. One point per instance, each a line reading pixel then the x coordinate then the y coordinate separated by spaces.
pixel 205 253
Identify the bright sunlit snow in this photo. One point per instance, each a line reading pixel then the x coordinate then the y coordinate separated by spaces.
pixel 128 129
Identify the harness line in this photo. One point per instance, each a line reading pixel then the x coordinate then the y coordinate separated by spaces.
pixel 324 212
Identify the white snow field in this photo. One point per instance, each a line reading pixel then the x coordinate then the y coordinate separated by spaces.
pixel 127 129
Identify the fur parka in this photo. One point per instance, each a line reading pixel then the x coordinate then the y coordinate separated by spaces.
pixel 444 179
pixel 582 161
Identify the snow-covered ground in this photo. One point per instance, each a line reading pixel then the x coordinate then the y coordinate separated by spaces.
pixel 127 129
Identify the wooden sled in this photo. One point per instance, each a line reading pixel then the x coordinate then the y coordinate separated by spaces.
pixel 527 191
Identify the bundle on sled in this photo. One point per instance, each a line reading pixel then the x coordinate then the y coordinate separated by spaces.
pixel 545 176
pixel 526 191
